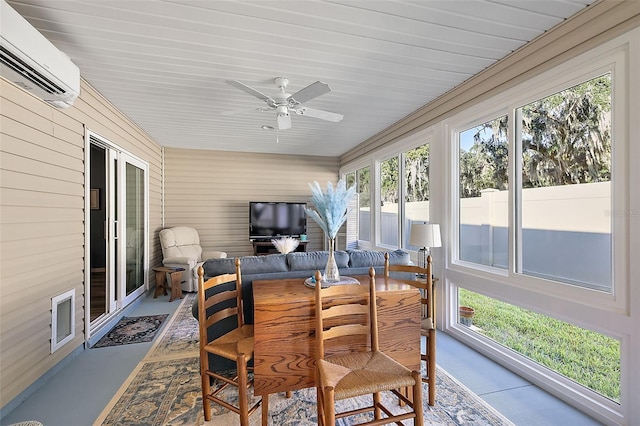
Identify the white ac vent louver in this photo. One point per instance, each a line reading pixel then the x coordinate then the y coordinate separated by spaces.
pixel 32 62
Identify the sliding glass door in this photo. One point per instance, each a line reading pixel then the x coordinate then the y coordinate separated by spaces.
pixel 132 230
pixel 116 231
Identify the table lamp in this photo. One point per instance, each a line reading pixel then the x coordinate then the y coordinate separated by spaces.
pixel 425 236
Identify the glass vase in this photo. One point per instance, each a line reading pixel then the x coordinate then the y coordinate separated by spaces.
pixel 331 272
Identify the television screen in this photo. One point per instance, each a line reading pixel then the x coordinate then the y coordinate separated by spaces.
pixel 274 219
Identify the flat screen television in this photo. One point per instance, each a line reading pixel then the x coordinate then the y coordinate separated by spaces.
pixel 276 219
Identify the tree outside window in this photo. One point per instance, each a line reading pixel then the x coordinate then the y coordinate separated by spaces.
pixel 416 194
pixel 566 186
pixel 389 197
pixel 563 224
pixel 363 188
pixel 564 194
pixel 483 179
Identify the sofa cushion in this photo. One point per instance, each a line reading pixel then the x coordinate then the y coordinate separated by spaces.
pixel 366 258
pixel 315 260
pixel 248 265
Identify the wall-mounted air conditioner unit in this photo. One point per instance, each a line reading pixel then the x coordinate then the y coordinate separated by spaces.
pixel 29 60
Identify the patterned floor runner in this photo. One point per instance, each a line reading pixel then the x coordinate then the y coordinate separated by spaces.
pixel 132 330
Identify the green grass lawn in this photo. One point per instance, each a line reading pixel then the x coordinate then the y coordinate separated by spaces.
pixel 589 358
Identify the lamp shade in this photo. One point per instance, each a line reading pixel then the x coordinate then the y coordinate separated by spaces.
pixel 425 235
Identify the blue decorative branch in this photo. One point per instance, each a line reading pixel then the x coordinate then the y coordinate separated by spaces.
pixel 331 206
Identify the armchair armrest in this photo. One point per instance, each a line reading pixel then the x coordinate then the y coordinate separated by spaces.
pixel 179 260
pixel 211 254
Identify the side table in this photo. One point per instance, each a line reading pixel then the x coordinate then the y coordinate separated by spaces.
pixel 161 281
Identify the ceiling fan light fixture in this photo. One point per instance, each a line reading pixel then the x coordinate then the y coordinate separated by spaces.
pixel 282 110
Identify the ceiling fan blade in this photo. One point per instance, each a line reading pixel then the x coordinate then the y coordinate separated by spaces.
pixel 310 92
pixel 284 121
pixel 250 90
pixel 244 111
pixel 318 113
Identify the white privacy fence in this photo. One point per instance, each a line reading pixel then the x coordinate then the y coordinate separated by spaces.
pixel 566 231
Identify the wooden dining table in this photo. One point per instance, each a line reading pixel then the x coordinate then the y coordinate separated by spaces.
pixel 284 337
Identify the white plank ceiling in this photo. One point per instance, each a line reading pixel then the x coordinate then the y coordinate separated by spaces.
pixel 164 63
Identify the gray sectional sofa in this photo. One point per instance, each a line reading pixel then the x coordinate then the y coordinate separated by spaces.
pixel 291 265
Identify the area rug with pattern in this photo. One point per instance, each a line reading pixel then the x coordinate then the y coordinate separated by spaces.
pixel 165 390
pixel 455 406
pixel 180 337
pixel 132 330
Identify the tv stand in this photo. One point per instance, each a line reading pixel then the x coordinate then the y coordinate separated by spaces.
pixel 264 247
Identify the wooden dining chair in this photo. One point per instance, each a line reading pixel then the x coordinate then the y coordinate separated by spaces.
pixel 347 324
pixel 236 345
pixel 412 275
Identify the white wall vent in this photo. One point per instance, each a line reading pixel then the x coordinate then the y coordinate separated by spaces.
pixel 32 62
pixel 63 319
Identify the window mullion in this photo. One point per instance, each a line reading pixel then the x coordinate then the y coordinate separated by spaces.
pixel 515 195
pixel 401 200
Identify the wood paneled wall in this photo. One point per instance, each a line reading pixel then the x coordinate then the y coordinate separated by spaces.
pixel 42 220
pixel 211 190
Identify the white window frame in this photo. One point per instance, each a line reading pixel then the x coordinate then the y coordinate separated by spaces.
pixel 466 123
pixel 395 149
pixel 609 314
pixel 399 188
pixel 546 84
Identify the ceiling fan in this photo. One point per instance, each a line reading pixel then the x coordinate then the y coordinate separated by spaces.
pixel 284 103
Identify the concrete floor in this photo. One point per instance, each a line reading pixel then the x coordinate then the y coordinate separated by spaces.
pixel 78 392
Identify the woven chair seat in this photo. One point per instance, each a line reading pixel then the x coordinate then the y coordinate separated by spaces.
pixel 238 341
pixel 342 314
pixel 360 373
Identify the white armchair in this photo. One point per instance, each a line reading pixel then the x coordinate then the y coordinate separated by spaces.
pixel 181 249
